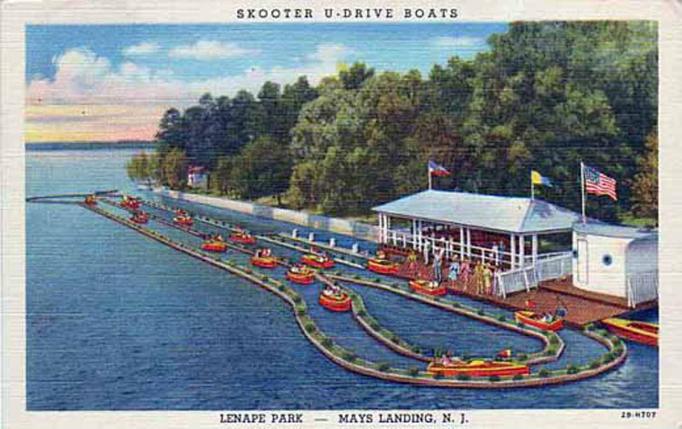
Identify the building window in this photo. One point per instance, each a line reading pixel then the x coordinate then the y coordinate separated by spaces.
pixel 607 260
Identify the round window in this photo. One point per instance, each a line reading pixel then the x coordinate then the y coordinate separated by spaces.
pixel 607 260
pixel 575 253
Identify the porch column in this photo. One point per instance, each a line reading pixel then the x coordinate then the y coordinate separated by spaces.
pixel 381 228
pixel 469 243
pixel 522 250
pixel 512 245
pixel 414 234
pixel 535 248
pixel 461 242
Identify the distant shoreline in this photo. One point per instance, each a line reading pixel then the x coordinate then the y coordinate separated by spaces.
pixel 89 145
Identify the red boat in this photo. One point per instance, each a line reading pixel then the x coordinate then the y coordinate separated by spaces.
pixel 426 287
pixel 264 261
pixel 302 276
pixel 140 217
pixel 335 301
pixel 130 202
pixel 383 266
pixel 641 332
pixel 214 245
pixel 537 320
pixel 183 220
pixel 243 238
pixel 478 368
pixel 317 261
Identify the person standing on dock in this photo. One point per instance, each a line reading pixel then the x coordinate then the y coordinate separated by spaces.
pixel 478 278
pixel 465 272
pixel 487 279
pixel 438 266
pixel 453 270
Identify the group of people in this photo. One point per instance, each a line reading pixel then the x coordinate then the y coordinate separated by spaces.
pixel 263 253
pixel 332 290
pixel 299 268
pixel 477 274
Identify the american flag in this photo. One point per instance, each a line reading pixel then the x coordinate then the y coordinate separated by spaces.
pixel 599 184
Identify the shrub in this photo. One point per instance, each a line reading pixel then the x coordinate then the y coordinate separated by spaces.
pixel 518 377
pixel 572 369
pixel 395 339
pixel 362 313
pixel 383 366
pixel 463 377
pixel 494 378
pixel 502 318
pixel 522 356
pixel 349 356
pixel 594 364
pixel 395 285
pixel 301 311
pixel 264 278
pixel 480 312
pixel 437 375
pixel 374 325
pixel 416 349
pixel 327 342
pixel 455 305
pixel 310 328
pixel 608 357
pixel 543 373
pixel 297 299
pixel 413 371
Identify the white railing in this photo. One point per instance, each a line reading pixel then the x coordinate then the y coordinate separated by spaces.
pixel 642 287
pixel 528 277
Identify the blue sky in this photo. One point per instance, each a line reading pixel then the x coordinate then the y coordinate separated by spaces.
pixel 129 74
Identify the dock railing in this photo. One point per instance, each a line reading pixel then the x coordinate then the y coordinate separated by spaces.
pixel 524 279
pixel 642 287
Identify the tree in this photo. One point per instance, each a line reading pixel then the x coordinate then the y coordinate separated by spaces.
pixel 174 169
pixel 264 168
pixel 645 182
pixel 354 77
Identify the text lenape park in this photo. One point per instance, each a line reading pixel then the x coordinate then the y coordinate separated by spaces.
pixel 545 97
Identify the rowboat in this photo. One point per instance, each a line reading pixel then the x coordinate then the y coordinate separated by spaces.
pixel 264 261
pixel 242 238
pixel 317 261
pixel 534 319
pixel 214 246
pixel 427 287
pixel 382 266
pixel 478 368
pixel 335 301
pixel 302 276
pixel 635 330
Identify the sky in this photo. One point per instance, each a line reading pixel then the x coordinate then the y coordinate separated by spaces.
pixel 113 82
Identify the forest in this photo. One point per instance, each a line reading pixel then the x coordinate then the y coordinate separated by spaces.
pixel 544 97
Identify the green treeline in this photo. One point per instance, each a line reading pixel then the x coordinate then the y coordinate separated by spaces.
pixel 545 96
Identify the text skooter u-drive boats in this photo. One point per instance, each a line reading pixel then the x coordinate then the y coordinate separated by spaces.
pixel 383 266
pixel 317 261
pixel 635 330
pixel 242 237
pixel 545 322
pixel 214 244
pixel 140 217
pixel 130 202
pixel 301 274
pixel 427 287
pixel 478 368
pixel 335 299
pixel 264 259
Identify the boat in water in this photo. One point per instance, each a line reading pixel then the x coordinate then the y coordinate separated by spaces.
pixel 264 259
pixel 427 287
pixel 301 274
pixel 317 261
pixel 140 217
pixel 478 368
pixel 242 237
pixel 183 220
pixel 335 300
pixel 130 202
pixel 383 266
pixel 90 200
pixel 214 245
pixel 540 321
pixel 634 330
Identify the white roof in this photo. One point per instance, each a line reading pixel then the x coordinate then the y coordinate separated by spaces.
pixel 490 212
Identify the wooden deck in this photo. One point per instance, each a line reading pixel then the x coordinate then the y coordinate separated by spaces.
pixel 582 307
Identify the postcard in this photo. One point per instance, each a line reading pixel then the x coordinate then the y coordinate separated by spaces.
pixel 392 215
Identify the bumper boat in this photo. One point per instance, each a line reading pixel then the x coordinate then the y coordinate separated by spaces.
pixel 183 220
pixel 130 202
pixel 426 287
pixel 478 368
pixel 382 266
pixel 537 320
pixel 335 301
pixel 139 217
pixel 317 261
pixel 264 261
pixel 302 276
pixel 242 238
pixel 214 245
pixel 90 200
pixel 634 330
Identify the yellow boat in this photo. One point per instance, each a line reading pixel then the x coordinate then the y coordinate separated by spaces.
pixel 635 330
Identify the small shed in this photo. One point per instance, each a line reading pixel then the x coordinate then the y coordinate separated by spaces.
pixel 616 260
pixel 196 177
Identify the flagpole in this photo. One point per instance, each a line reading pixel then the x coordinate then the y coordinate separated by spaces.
pixel 532 188
pixel 582 187
pixel 430 178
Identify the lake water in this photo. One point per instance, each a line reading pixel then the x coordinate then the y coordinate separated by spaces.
pixel 116 321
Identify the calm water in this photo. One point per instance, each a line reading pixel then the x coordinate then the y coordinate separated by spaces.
pixel 117 321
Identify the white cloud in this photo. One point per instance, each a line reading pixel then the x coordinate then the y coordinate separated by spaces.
pixel 458 42
pixel 205 50
pixel 144 48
